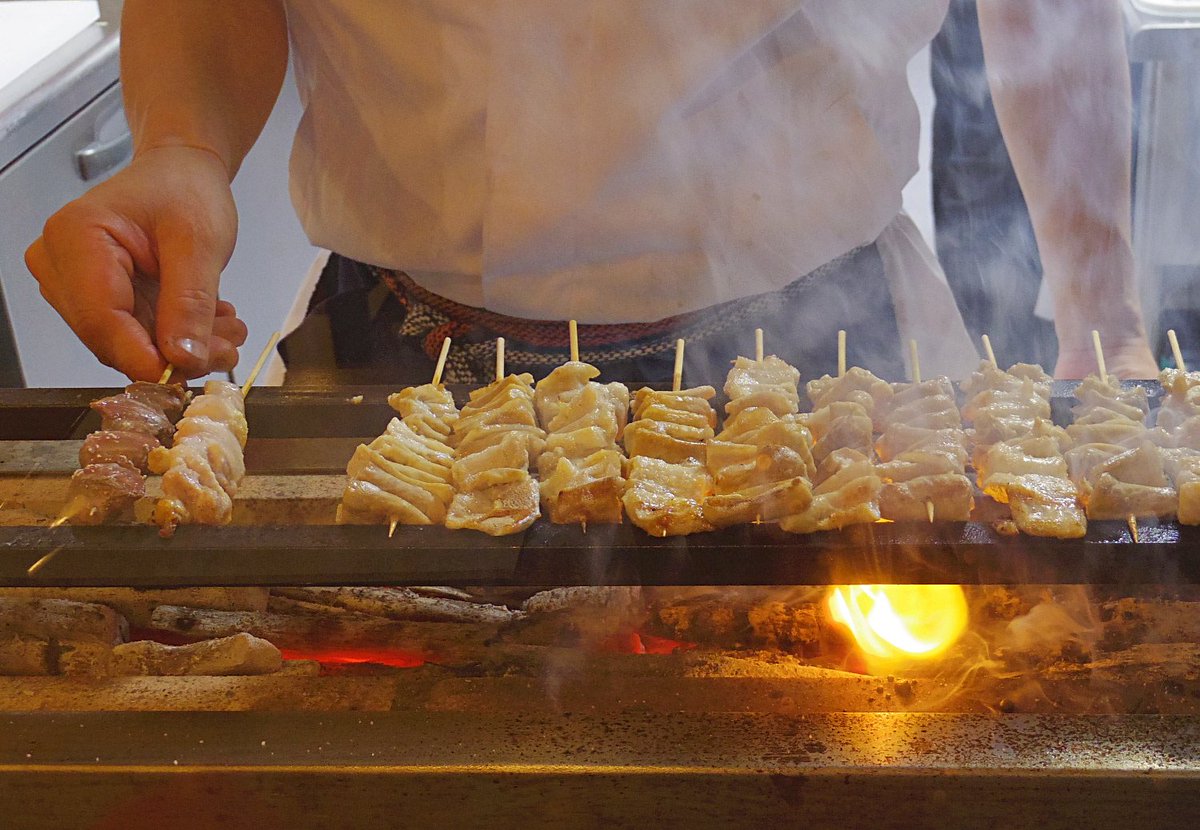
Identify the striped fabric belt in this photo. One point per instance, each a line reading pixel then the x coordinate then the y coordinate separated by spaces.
pixel 540 345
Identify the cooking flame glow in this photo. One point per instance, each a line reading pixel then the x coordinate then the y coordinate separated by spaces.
pixel 901 622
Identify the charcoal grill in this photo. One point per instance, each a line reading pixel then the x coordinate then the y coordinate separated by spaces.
pixel 433 747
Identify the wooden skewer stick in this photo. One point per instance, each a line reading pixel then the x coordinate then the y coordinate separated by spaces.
pixel 1133 528
pixel 499 358
pixel 841 352
pixel 441 362
pixel 392 528
pixel 915 358
pixel 758 345
pixel 1176 351
pixel 916 361
pixel 991 355
pixel 166 375
pixel 262 359
pixel 677 376
pixel 573 328
pixel 1099 356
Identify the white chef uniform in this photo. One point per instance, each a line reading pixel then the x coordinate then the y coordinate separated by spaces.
pixel 617 160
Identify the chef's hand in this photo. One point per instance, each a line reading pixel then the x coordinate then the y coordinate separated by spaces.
pixel 1130 360
pixel 168 218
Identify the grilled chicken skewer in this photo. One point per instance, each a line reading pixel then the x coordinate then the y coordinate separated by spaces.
pixel 1018 451
pixel 204 466
pixel 495 438
pixel 922 453
pixel 761 462
pixel 114 459
pixel 846 485
pixel 666 442
pixel 404 475
pixel 581 467
pixel 1114 461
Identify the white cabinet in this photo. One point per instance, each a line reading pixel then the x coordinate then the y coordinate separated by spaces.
pixel 262 279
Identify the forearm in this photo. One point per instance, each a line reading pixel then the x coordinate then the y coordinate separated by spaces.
pixel 202 74
pixel 1060 82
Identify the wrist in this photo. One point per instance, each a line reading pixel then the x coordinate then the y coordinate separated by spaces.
pixel 207 150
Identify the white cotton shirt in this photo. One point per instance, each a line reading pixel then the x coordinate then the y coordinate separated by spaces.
pixel 603 160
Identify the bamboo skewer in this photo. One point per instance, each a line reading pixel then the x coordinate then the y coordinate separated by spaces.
pixel 166 375
pixel 758 345
pixel 262 359
pixel 499 358
pixel 841 352
pixel 677 375
pixel 437 379
pixel 441 362
pixel 1130 520
pixel 573 329
pixel 991 355
pixel 1099 356
pixel 915 359
pixel 1176 351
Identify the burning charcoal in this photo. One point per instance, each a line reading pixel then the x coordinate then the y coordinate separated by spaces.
pixel 58 619
pixel 611 600
pixel 136 604
pixel 400 604
pixel 240 654
pixel 20 655
pixel 791 628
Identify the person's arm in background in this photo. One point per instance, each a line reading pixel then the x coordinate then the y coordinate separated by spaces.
pixel 200 80
pixel 1059 77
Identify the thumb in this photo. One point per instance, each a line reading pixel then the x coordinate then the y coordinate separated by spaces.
pixel 189 271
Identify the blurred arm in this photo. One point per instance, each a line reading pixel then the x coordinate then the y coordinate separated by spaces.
pixel 1059 77
pixel 202 74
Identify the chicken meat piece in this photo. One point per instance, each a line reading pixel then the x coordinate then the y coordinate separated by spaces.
pixel 124 413
pixel 665 498
pixel 114 446
pixel 101 492
pixel 1046 506
pixel 497 511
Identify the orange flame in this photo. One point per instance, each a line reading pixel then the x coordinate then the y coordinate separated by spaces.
pixel 901 622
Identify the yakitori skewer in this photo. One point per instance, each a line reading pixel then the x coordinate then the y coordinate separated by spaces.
pixel 205 464
pixel 438 369
pixel 1175 350
pixel 677 375
pixel 841 354
pixel 758 345
pixel 915 359
pixel 580 470
pixel 991 355
pixel 404 475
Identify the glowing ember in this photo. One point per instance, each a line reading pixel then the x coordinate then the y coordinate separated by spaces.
pixel 635 642
pixel 350 656
pixel 901 622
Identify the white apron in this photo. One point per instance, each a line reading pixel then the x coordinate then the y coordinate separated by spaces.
pixel 614 160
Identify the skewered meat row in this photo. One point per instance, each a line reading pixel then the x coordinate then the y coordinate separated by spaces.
pixel 761 462
pixel 581 467
pixel 1018 451
pixel 922 454
pixel 113 460
pixel 666 442
pixel 495 438
pixel 405 475
pixel 846 484
pixel 1178 434
pixel 203 467
pixel 1115 463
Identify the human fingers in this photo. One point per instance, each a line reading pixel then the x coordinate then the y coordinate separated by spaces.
pixel 190 261
pixel 84 273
